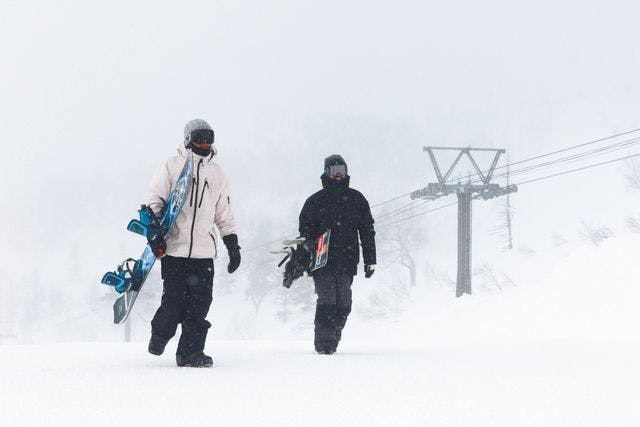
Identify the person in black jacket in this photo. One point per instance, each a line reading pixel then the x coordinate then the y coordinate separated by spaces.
pixel 346 213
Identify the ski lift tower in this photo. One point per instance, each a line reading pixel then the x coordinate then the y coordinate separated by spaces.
pixel 483 189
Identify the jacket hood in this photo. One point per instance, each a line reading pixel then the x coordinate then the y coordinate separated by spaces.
pixel 330 184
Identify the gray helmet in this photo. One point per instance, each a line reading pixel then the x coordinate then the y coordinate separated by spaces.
pixel 335 160
pixel 193 125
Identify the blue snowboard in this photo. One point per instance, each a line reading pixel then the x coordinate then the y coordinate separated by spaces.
pixel 131 274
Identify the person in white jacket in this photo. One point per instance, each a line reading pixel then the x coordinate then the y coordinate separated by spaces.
pixel 187 254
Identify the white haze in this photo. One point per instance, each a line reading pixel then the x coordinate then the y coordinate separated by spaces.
pixel 94 97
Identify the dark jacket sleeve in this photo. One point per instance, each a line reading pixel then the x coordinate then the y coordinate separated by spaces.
pixel 367 233
pixel 306 221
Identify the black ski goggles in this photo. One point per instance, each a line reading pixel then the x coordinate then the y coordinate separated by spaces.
pixel 336 171
pixel 202 136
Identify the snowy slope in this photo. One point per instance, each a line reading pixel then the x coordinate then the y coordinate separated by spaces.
pixel 537 383
pixel 560 352
pixel 588 292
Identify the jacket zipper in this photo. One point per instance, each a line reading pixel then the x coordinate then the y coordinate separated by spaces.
pixel 215 245
pixel 195 209
pixel 204 187
pixel 193 185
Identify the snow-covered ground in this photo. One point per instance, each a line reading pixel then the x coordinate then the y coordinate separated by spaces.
pixel 529 382
pixel 563 351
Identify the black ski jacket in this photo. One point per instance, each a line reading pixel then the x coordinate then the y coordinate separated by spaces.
pixel 346 213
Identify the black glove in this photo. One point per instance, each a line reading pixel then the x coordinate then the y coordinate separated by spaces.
pixel 369 269
pixel 231 242
pixel 158 244
pixel 297 265
pixel 154 235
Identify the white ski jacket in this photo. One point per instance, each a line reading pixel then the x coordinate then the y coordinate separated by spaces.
pixel 208 206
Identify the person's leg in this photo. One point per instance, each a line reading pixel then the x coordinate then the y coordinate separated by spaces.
pixel 343 302
pixel 169 314
pixel 326 311
pixel 199 288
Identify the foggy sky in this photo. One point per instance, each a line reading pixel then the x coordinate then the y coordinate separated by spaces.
pixel 94 97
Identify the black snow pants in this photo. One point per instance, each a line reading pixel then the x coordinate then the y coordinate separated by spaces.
pixel 332 308
pixel 186 298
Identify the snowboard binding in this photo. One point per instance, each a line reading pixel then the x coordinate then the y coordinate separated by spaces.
pixel 148 225
pixel 297 258
pixel 124 276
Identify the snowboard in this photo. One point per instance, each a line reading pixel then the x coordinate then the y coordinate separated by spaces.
pixel 129 277
pixel 321 253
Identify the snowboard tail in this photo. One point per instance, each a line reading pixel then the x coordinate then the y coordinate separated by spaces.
pixel 128 280
pixel 122 306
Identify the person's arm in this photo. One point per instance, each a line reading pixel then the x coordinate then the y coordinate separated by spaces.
pixel 223 218
pixel 159 189
pixel 157 196
pixel 306 223
pixel 367 238
pixel 226 224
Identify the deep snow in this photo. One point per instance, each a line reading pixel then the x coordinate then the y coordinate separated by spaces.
pixel 562 351
pixel 532 382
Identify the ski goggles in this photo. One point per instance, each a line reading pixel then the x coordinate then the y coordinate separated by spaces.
pixel 202 136
pixel 335 171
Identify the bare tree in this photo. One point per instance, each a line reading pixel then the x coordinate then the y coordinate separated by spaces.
pixel 633 223
pixel 440 278
pixel 595 234
pixel 632 173
pixel 282 299
pixel 262 282
pixel 491 279
pixel 387 301
pixel 504 229
pixel 398 244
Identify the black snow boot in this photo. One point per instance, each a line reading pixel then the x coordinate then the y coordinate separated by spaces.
pixel 326 347
pixel 195 360
pixel 157 345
